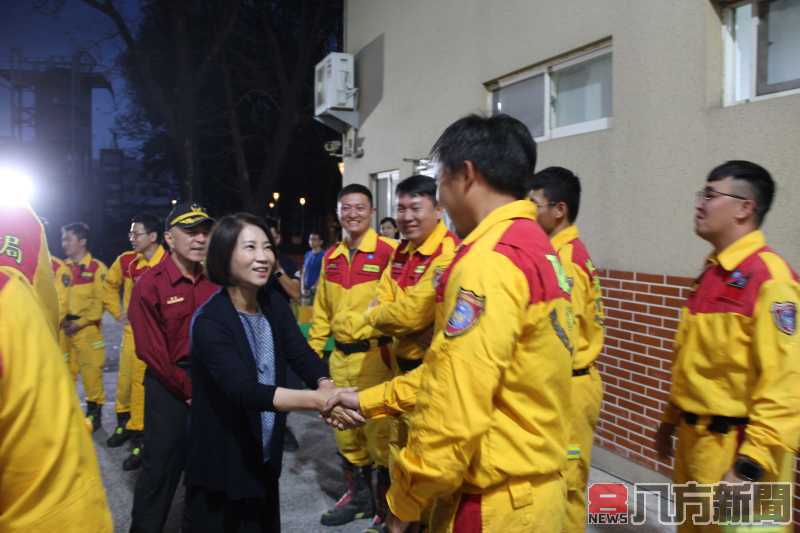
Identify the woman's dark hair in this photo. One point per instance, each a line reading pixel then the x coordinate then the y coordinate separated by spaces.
pixel 223 240
pixel 388 219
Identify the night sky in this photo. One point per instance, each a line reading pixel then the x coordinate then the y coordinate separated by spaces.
pixel 77 26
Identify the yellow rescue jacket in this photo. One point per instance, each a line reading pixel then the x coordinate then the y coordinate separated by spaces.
pixel 85 290
pixel 494 388
pixel 51 480
pixel 738 351
pixel 123 273
pixel 345 289
pixel 587 297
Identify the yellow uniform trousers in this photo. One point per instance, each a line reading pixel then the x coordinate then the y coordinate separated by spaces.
pixel 587 396
pixel 516 506
pixel 87 355
pixel 369 443
pixel 130 378
pixel 705 457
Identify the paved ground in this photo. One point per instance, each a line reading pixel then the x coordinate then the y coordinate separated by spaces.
pixel 309 484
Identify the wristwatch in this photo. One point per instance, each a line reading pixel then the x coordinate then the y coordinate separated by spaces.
pixel 748 469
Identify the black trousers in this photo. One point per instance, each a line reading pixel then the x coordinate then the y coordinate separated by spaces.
pixel 166 434
pixel 212 511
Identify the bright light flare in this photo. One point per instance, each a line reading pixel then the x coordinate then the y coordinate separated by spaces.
pixel 16 187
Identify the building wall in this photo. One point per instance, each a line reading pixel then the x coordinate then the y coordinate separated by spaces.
pixel 669 129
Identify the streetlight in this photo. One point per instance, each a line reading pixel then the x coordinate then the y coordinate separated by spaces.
pixel 272 204
pixel 17 187
pixel 302 217
pixel 174 202
pixel 276 196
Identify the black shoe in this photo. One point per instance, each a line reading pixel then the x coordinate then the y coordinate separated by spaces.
pixel 290 443
pixel 120 435
pixel 356 502
pixel 94 413
pixel 134 460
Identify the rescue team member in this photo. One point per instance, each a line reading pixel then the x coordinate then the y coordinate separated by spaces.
pixel 350 274
pixel 81 324
pixel 62 278
pixel 50 477
pixel 23 247
pixel 160 312
pixel 144 236
pixel 407 297
pixel 735 399
pixel 556 192
pixel 488 429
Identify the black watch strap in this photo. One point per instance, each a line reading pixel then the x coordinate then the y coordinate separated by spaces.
pixel 748 469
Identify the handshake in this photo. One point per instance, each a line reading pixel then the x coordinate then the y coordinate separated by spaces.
pixel 339 407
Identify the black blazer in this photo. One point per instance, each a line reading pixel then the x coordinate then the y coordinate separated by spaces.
pixel 225 437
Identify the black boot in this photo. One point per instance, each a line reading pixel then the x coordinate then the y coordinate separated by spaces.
pixel 134 460
pixel 94 414
pixel 380 487
pixel 120 435
pixel 356 502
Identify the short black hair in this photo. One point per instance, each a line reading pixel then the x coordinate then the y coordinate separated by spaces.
pixel 223 240
pixel 757 178
pixel 272 223
pixel 151 224
pixel 417 185
pixel 355 188
pixel 500 147
pixel 559 185
pixel 79 229
pixel 388 219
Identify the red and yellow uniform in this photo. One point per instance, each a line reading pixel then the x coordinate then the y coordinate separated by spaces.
pixel 63 277
pixel 23 247
pixel 122 274
pixel 587 386
pixel 737 356
pixel 345 289
pixel 488 429
pixel 50 477
pixel 85 302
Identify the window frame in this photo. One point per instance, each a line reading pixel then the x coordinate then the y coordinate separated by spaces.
pixel 393 177
pixel 547 68
pixel 759 88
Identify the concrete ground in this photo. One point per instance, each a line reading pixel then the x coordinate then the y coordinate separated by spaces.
pixel 310 482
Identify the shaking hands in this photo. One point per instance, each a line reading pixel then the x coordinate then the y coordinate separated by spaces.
pixel 339 407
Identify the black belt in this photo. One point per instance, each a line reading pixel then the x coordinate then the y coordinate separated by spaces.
pixel 580 371
pixel 184 364
pixel 718 424
pixel 348 348
pixel 407 365
pixel 71 317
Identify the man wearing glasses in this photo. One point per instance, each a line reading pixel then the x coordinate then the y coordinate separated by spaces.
pixel 735 399
pixel 146 252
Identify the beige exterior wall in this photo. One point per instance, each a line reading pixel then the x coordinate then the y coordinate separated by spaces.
pixel 669 127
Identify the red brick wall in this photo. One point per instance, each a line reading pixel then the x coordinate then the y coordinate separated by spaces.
pixel 641 318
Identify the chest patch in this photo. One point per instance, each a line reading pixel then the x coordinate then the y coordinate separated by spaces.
pixel 371 268
pixel 174 300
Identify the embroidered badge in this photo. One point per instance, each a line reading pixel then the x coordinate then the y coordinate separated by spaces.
pixel 331 266
pixel 174 300
pixel 11 246
pixel 784 314
pixel 467 312
pixel 437 276
pixel 87 275
pixel 371 268
pixel 420 269
pixel 738 279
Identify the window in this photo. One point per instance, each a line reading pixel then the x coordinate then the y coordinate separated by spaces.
pixel 561 97
pixel 762 49
pixel 383 184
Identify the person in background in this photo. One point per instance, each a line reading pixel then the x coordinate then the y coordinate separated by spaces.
pixel 312 263
pixel 286 272
pixel 243 340
pixel 388 228
pixel 81 324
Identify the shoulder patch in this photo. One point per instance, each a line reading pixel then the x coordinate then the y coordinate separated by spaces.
pixel 466 313
pixel 784 314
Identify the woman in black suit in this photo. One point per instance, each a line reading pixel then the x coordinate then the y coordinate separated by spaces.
pixel 242 340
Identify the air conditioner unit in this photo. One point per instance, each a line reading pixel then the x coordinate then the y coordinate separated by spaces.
pixel 335 94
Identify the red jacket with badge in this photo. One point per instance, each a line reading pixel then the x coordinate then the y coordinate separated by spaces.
pixel 738 350
pixel 160 311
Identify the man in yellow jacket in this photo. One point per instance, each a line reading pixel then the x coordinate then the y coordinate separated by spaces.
pixel 556 192
pixel 350 274
pixel 127 268
pixel 406 299
pixel 490 402
pixel 81 323
pixel 735 399
pixel 50 477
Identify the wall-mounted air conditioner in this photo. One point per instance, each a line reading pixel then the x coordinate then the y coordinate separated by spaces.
pixel 335 93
